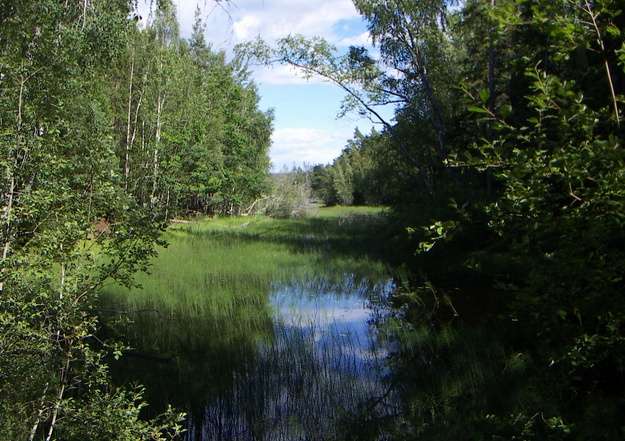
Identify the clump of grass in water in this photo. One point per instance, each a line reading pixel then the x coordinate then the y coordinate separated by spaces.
pixel 297 388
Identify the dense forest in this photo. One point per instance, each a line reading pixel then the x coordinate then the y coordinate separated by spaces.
pixel 503 168
pixel 108 129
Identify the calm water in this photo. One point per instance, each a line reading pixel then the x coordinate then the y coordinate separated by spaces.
pixel 322 363
pixel 257 358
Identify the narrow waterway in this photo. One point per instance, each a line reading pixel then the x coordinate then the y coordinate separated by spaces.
pixel 283 345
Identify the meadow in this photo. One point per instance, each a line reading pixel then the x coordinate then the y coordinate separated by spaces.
pixel 222 263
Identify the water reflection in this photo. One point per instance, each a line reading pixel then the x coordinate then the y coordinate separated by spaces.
pixel 323 363
pixel 341 316
pixel 289 368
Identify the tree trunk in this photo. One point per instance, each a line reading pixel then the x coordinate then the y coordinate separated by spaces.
pixel 491 65
pixel 33 430
pixel 606 64
pixel 159 108
pixel 133 137
pixel 491 90
pixel 62 277
pixel 127 160
pixel 436 112
pixel 7 243
pixel 57 405
pixel 8 208
pixel 84 13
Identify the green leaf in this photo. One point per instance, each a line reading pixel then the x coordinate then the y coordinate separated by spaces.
pixel 476 109
pixel 484 95
pixel 613 31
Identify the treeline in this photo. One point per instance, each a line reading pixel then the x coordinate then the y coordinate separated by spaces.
pixel 505 169
pixel 108 129
pixel 354 177
pixel 191 137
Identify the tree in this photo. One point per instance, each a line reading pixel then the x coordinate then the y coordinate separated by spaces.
pixel 99 123
pixel 59 176
pixel 511 289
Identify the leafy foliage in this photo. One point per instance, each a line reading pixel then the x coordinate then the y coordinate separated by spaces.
pixel 507 182
pixel 106 131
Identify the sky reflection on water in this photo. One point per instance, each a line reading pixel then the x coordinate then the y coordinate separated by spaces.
pixel 323 363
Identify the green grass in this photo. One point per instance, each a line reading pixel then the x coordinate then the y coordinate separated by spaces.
pixel 204 306
pixel 339 211
pixel 218 271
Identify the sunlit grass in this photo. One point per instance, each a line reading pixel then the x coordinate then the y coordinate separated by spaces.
pixel 219 271
pixel 340 210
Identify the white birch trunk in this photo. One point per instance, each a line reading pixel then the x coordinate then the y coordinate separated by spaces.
pixel 8 208
pixel 59 398
pixel 127 159
pixel 159 109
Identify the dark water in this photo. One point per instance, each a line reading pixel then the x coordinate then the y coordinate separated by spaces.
pixel 295 366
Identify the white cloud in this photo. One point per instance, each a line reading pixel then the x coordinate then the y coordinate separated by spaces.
pixel 363 39
pixel 242 20
pixel 277 18
pixel 299 145
pixel 229 23
pixel 247 28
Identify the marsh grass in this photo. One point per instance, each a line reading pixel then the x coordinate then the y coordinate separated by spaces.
pixel 217 265
pixel 297 388
pixel 206 336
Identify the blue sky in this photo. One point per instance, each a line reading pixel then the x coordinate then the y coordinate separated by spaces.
pixel 306 129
